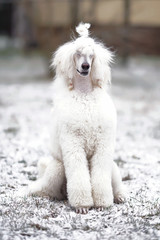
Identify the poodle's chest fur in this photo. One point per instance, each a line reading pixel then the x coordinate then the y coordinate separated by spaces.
pixel 86 118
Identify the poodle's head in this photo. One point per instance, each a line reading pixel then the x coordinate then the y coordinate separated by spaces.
pixel 83 56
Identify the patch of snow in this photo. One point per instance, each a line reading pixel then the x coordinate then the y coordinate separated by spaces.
pixel 24 115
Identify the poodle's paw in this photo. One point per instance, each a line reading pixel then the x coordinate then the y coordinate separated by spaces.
pixel 35 188
pixel 82 210
pixel 80 198
pixel 120 195
pixel 103 201
pixel 99 209
pixel 119 198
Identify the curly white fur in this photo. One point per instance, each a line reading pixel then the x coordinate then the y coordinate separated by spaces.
pixel 82 29
pixel 83 129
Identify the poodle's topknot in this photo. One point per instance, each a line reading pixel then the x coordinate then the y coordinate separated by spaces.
pixel 82 29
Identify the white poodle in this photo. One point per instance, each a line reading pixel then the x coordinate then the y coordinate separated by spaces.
pixel 83 129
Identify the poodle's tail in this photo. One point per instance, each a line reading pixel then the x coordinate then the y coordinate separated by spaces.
pixel 82 29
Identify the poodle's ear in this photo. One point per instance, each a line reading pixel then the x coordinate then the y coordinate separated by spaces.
pixel 63 62
pixel 101 74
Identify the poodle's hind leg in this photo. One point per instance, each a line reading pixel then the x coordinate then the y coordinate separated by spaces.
pixel 119 190
pixel 51 181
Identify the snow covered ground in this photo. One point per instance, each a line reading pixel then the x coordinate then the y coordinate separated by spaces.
pixel 25 104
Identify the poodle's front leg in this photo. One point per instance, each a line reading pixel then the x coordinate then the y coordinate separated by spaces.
pixel 78 177
pixel 101 169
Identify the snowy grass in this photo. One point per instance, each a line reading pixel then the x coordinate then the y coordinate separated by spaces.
pixel 24 115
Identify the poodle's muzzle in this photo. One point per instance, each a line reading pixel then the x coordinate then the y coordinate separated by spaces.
pixel 85 69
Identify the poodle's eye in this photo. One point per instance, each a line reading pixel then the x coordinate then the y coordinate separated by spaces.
pixel 78 54
pixel 91 56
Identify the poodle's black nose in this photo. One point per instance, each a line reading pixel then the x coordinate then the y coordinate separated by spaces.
pixel 85 66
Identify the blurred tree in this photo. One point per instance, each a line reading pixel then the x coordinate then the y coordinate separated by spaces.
pixel 6 18
pixel 23 28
